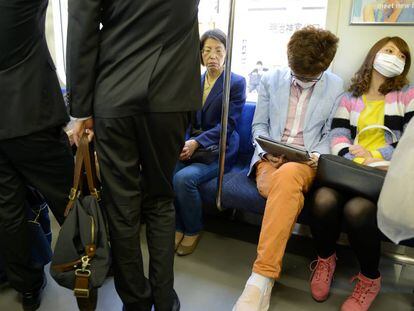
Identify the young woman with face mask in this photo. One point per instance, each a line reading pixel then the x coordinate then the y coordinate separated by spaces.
pixel 379 95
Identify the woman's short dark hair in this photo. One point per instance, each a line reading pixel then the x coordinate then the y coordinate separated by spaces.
pixel 311 50
pixel 215 34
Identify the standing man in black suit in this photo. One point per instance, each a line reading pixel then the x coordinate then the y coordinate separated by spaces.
pixel 34 149
pixel 134 76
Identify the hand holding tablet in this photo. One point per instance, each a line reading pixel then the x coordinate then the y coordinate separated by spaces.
pixel 290 152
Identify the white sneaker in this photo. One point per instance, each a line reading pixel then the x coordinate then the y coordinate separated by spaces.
pixel 253 299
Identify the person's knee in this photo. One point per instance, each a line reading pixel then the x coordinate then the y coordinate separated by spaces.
pixel 359 212
pixel 182 181
pixel 288 175
pixel 264 178
pixel 263 187
pixel 325 202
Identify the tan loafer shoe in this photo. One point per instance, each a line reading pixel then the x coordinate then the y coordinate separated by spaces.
pixel 184 250
pixel 178 238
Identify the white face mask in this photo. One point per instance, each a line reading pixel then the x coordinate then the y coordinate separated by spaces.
pixel 388 65
pixel 305 85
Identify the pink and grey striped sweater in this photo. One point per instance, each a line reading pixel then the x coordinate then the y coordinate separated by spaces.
pixel 399 109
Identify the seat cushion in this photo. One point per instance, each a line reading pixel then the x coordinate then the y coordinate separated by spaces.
pixel 239 192
pixel 244 128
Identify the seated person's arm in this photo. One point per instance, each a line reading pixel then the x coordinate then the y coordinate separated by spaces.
pixel 340 135
pixel 260 124
pixel 387 151
pixel 323 146
pixel 237 101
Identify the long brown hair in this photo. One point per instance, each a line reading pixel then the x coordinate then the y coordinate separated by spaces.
pixel 361 82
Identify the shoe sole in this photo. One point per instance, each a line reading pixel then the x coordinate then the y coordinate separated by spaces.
pixel 329 293
pixel 320 301
pixel 31 308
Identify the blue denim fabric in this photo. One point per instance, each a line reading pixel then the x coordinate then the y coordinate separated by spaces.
pixel 188 204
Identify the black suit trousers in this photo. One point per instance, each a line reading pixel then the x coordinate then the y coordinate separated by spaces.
pixel 137 156
pixel 43 160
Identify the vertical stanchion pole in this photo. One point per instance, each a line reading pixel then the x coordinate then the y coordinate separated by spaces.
pixel 225 109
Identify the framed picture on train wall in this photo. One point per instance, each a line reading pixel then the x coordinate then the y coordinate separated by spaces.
pixel 385 12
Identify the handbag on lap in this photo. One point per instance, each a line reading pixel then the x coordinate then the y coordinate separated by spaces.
pixel 203 155
pixel 343 174
pixel 81 260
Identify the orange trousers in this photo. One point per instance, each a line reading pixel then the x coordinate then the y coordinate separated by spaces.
pixel 284 189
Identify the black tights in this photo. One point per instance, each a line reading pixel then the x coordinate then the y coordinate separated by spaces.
pixel 359 215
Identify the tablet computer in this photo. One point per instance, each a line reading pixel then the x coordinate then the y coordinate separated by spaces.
pixel 275 148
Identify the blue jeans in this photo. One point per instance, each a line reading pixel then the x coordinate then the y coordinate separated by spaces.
pixel 188 204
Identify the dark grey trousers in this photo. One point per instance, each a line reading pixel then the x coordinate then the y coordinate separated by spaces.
pixel 43 160
pixel 137 156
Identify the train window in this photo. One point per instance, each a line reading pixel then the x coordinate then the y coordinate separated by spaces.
pixel 262 31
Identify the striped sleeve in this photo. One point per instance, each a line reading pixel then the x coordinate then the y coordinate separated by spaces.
pixel 408 105
pixel 392 120
pixel 340 134
pixel 387 152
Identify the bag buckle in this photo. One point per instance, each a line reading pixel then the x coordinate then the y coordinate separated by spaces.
pixel 85 263
pixel 82 274
pixel 81 293
pixel 73 194
pixel 85 274
pixel 96 194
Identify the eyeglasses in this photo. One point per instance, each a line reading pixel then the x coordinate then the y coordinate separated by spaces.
pixel 306 79
pixel 218 52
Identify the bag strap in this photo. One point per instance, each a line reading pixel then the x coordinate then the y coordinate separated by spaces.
pixel 82 271
pixel 74 191
pixel 376 126
pixel 83 274
pixel 82 159
pixel 380 163
pixel 90 170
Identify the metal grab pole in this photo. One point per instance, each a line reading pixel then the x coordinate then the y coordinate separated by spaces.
pixel 225 108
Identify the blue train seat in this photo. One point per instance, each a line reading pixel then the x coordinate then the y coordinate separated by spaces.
pixel 240 198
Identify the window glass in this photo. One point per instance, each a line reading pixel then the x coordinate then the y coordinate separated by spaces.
pixel 262 31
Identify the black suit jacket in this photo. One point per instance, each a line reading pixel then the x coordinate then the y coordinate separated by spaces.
pixel 30 94
pixel 145 58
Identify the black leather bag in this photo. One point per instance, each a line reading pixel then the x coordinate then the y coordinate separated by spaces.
pixel 82 254
pixel 204 155
pixel 345 175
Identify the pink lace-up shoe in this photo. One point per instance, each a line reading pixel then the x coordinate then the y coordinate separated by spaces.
pixel 364 294
pixel 321 278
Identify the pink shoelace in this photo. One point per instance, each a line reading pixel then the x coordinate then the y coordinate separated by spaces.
pixel 317 267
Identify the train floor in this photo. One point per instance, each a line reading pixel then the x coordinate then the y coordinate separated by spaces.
pixel 213 277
